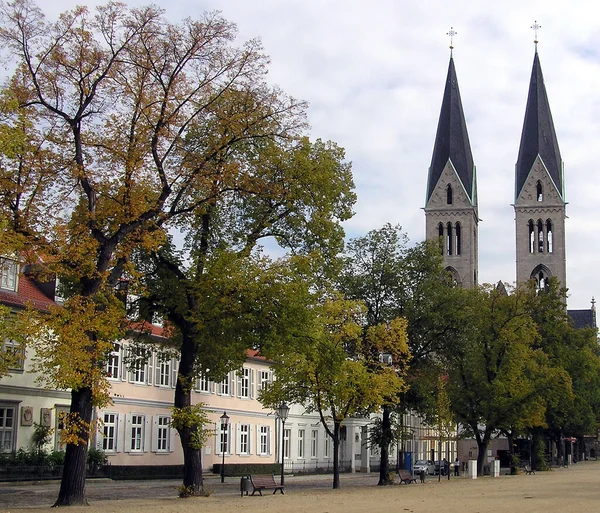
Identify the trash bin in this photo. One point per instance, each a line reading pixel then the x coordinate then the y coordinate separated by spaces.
pixel 245 485
pixel 422 475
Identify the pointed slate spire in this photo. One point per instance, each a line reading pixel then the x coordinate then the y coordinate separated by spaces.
pixel 538 136
pixel 452 140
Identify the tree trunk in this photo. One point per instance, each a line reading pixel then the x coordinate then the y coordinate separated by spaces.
pixel 336 455
pixel 481 453
pixel 386 436
pixel 511 452
pixel 72 484
pixel 192 453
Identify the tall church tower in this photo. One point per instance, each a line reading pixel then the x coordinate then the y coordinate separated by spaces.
pixel 451 203
pixel 540 207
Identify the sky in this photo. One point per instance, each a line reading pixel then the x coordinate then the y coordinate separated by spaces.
pixel 374 72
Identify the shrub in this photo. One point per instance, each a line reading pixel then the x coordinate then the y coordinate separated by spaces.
pixel 96 457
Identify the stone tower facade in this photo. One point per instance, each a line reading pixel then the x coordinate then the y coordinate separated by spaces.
pixel 451 203
pixel 540 207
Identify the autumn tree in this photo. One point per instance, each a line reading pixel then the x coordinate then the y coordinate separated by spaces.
pixel 107 103
pixel 337 383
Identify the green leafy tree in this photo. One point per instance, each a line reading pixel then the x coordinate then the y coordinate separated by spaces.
pixel 572 411
pixel 394 281
pixel 496 371
pixel 227 297
pixel 325 377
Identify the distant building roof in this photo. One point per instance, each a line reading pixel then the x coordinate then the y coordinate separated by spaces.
pixel 27 294
pixel 583 318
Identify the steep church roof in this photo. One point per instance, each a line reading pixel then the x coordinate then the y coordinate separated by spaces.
pixel 538 136
pixel 452 140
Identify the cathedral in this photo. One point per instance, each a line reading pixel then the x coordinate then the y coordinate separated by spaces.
pixel 451 214
pixel 540 209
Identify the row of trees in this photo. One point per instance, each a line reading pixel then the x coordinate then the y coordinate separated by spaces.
pixel 147 158
pixel 506 361
pixel 120 128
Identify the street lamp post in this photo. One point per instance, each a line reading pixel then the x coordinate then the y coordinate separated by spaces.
pixel 282 414
pixel 224 441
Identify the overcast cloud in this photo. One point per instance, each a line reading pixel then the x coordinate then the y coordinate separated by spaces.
pixel 374 73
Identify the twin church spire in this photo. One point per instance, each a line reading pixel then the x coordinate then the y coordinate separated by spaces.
pixel 451 199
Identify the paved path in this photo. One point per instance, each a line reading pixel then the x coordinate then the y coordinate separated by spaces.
pixel 43 494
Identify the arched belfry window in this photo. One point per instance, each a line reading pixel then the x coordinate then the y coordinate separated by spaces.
pixel 540 234
pixel 457 234
pixel 541 274
pixel 549 236
pixel 539 191
pixel 449 245
pixel 531 237
pixel 453 277
pixel 441 237
pixel 449 195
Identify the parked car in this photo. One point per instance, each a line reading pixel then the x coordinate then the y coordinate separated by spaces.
pixel 426 465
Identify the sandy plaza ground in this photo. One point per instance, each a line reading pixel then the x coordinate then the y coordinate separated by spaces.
pixel 575 489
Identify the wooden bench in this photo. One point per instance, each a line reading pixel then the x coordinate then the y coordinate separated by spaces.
pixel 262 482
pixel 406 477
pixel 528 470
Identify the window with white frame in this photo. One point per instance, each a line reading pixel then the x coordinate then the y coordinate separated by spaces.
pixel 287 435
pixel 264 439
pixel 223 445
pixel 301 443
pixel 265 379
pixel 245 383
pixel 327 447
pixel 139 373
pixel 224 386
pixel 163 433
pixel 204 385
pixel 8 413
pixel 244 439
pixel 137 433
pixel 15 354
pixel 109 432
pixel 163 372
pixel 8 273
pixel 314 443
pixel 113 364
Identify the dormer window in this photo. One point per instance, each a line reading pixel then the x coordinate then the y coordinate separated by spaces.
pixel 8 274
pixel 449 195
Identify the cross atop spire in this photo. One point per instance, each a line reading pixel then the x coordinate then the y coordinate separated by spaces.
pixel 451 33
pixel 535 27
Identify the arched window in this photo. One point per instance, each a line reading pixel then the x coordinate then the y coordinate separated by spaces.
pixel 549 236
pixel 449 194
pixel 441 237
pixel 458 241
pixel 540 229
pixel 531 237
pixel 541 274
pixel 449 239
pixel 539 191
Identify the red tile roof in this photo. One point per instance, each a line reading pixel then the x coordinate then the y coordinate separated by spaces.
pixel 27 294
